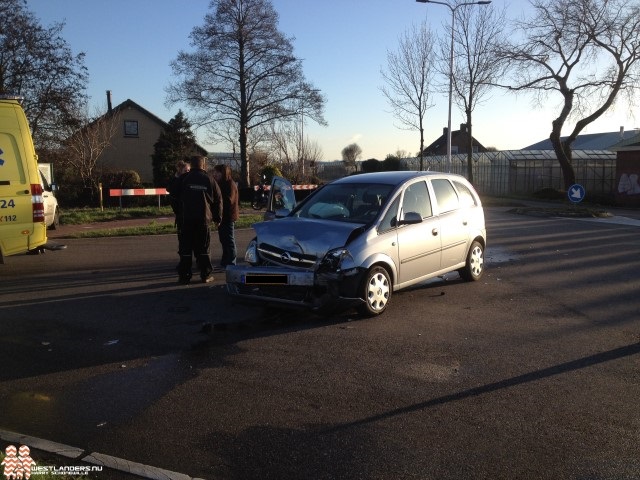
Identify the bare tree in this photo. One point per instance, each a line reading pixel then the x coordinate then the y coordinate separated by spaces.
pixel 243 70
pixel 226 133
pixel 350 155
pixel 408 80
pixel 294 152
pixel 401 153
pixel 476 34
pixel 37 63
pixel 84 146
pixel 585 53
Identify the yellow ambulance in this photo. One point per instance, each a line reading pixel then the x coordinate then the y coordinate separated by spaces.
pixel 22 222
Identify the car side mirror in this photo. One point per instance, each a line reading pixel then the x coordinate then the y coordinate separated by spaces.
pixel 272 215
pixel 411 218
pixel 282 212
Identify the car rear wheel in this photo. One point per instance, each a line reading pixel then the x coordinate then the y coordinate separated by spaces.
pixel 474 267
pixel 376 292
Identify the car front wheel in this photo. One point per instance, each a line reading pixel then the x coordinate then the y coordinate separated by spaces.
pixel 474 267
pixel 376 291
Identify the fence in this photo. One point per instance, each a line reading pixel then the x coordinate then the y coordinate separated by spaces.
pixel 528 171
pixel 508 172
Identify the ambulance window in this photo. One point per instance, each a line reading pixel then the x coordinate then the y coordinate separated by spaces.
pixel 12 170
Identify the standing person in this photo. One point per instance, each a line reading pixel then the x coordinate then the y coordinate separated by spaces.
pixel 230 213
pixel 201 204
pixel 173 187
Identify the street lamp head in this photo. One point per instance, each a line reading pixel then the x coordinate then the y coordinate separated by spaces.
pixel 453 7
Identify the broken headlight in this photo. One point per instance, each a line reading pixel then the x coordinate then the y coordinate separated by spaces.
pixel 338 259
pixel 251 255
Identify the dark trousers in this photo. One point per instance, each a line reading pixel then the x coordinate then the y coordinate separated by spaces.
pixel 194 240
pixel 179 223
pixel 226 233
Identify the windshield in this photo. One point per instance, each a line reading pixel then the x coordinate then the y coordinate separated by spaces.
pixel 346 202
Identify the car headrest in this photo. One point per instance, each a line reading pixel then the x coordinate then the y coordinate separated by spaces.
pixel 373 198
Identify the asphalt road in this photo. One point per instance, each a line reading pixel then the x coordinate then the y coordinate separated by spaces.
pixel 531 373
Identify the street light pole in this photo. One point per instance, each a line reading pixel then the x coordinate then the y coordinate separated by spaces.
pixel 302 139
pixel 453 9
pixel 302 153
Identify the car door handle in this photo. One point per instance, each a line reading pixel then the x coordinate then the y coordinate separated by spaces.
pixel 434 232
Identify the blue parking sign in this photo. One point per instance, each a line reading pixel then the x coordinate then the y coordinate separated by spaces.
pixel 576 193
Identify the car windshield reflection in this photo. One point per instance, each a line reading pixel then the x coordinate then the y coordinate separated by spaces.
pixel 353 203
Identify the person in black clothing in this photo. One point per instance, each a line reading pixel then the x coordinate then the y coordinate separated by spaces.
pixel 201 204
pixel 173 187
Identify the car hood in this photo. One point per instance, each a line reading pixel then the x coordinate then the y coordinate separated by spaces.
pixel 306 236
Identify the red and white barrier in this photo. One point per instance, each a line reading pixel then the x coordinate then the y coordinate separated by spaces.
pixel 127 192
pixel 295 187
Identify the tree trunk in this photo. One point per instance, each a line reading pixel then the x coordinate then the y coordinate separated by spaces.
pixel 564 156
pixel 421 146
pixel 245 174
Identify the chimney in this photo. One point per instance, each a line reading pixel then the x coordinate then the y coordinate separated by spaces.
pixel 622 131
pixel 109 107
pixel 444 131
pixel 463 128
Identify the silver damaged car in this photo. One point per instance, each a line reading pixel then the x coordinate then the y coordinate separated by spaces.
pixel 358 239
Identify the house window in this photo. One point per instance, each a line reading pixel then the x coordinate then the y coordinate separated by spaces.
pixel 130 128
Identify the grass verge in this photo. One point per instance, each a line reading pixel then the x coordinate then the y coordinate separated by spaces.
pixel 153 228
pixel 80 216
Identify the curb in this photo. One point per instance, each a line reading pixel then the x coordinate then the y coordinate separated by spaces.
pixel 94 458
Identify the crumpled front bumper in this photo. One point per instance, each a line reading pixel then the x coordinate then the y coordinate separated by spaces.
pixel 292 286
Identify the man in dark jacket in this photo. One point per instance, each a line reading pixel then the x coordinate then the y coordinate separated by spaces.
pixel 201 204
pixel 173 187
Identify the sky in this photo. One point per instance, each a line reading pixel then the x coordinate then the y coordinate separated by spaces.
pixel 129 45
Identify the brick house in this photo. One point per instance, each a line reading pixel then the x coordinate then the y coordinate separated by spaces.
pixel 459 143
pixel 133 142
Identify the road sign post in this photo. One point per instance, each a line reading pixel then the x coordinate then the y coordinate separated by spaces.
pixel 576 193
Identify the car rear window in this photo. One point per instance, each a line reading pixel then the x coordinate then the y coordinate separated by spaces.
pixel 466 197
pixel 446 195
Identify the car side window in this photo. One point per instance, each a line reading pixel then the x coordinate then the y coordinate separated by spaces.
pixel 466 197
pixel 390 218
pixel 446 196
pixel 416 199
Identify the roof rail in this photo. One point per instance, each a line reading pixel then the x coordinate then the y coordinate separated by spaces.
pixel 18 98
